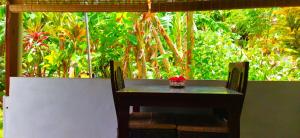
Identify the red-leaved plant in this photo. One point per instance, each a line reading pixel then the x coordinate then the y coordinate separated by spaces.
pixel 35 49
pixel 35 40
pixel 177 79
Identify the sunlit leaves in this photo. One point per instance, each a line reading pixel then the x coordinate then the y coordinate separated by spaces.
pixel 268 38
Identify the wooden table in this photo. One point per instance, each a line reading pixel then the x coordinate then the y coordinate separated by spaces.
pixel 190 97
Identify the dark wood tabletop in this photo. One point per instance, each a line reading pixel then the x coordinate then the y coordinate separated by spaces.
pixel 185 90
pixel 189 97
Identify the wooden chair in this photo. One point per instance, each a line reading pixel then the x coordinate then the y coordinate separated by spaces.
pixel 142 124
pixel 237 80
pixel 214 126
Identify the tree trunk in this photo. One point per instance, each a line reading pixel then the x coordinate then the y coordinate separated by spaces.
pixel 154 63
pixel 163 32
pixel 38 70
pixel 140 56
pixel 38 63
pixel 61 48
pixel 190 45
pixel 148 50
pixel 178 28
pixel 65 70
pixel 126 61
pixel 161 50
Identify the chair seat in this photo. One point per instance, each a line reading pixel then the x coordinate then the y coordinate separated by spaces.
pixel 201 124
pixel 152 125
pixel 204 129
pixel 150 120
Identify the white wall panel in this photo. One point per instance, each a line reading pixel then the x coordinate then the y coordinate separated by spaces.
pixel 60 108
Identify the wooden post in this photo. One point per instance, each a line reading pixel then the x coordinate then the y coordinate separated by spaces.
pixel 13 43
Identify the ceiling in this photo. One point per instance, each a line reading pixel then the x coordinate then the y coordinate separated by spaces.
pixel 142 5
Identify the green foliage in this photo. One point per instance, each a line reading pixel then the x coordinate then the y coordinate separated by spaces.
pixel 2 49
pixel 268 38
pixel 109 37
pixel 2 74
pixel 220 37
pixel 2 23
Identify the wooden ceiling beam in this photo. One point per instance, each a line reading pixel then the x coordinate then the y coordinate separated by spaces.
pixel 222 5
pixel 156 7
pixel 15 1
pixel 78 8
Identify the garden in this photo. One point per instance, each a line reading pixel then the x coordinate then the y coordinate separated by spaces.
pixel 197 45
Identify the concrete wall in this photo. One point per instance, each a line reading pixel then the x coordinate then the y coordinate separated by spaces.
pixel 271 109
pixel 59 108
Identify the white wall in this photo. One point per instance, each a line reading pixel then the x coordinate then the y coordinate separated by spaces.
pixel 59 108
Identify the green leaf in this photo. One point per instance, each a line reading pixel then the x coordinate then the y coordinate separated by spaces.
pixel 29 58
pixel 132 39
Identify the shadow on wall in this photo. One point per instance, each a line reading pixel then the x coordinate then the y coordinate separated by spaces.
pixel 271 110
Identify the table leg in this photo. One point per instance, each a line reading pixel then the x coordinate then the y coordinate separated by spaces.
pixel 234 123
pixel 123 120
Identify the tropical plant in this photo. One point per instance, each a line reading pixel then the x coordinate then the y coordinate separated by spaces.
pixel 198 45
pixel 2 49
pixel 35 51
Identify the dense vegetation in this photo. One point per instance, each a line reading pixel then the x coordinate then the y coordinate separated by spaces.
pixel 198 45
pixel 2 49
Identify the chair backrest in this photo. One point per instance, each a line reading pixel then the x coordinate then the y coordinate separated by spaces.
pixel 116 73
pixel 117 81
pixel 238 76
pixel 237 80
